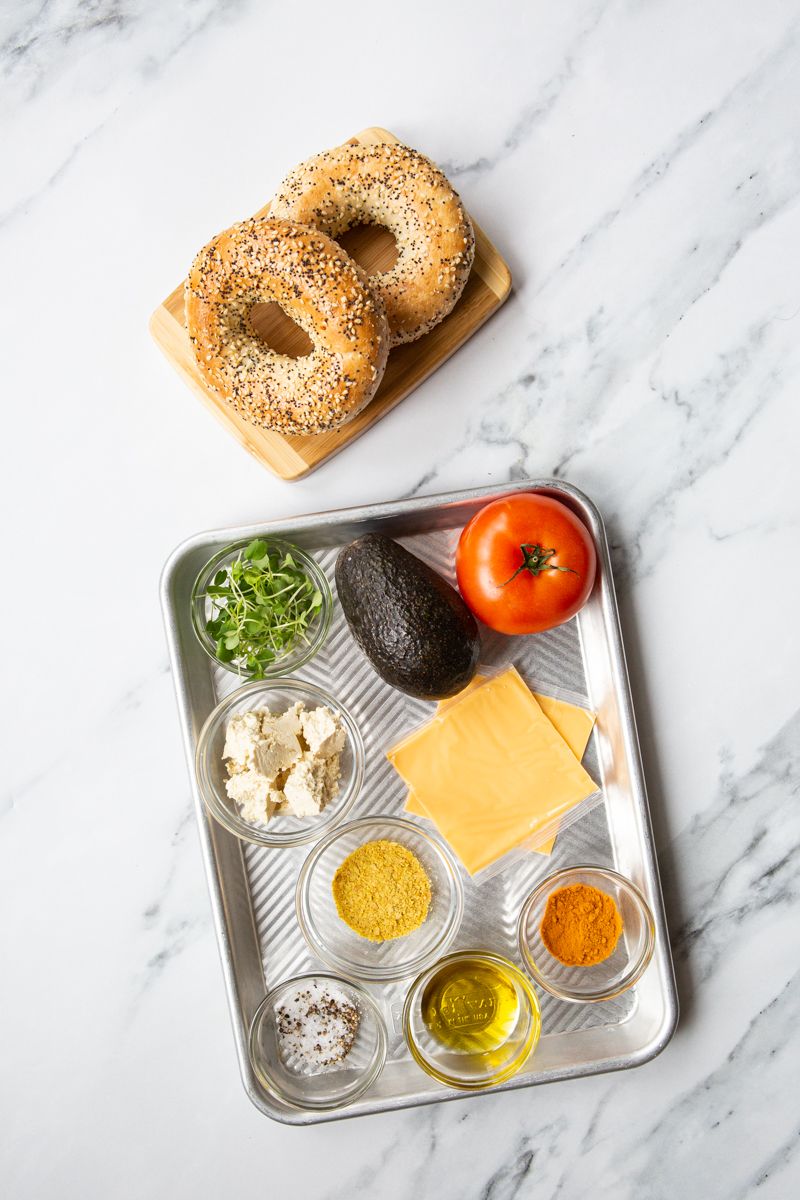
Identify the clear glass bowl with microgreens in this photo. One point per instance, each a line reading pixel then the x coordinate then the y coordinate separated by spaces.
pixel 261 608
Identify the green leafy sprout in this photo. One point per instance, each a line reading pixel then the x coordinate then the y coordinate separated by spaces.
pixel 261 605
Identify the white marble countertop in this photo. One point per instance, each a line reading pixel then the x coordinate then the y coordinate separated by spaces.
pixel 639 166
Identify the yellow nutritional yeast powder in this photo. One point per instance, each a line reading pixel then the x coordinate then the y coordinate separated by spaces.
pixel 471 1006
pixel 381 891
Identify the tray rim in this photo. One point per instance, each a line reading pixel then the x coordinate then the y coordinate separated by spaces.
pixel 386 510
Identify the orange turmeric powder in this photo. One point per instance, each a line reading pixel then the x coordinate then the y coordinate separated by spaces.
pixel 581 925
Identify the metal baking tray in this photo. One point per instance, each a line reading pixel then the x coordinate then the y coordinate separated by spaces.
pixel 252 889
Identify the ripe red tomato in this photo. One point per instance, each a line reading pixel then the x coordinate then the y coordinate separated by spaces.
pixel 525 563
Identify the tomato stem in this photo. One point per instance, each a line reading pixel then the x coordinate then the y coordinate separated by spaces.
pixel 536 559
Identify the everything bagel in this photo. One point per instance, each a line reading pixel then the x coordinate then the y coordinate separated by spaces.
pixel 393 186
pixel 322 290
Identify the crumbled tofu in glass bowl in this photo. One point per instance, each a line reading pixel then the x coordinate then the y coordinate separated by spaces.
pixel 279 762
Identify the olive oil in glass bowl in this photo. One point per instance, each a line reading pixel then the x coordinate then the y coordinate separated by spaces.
pixel 471 1020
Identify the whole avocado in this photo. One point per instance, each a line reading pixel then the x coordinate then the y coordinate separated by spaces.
pixel 411 624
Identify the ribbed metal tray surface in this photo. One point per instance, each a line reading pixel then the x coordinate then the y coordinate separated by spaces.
pixel 252 888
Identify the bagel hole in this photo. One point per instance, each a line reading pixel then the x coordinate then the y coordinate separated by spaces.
pixel 279 331
pixel 372 246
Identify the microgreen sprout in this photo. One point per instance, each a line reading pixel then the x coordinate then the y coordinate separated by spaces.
pixel 261 605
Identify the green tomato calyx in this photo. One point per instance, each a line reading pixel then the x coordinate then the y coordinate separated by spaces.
pixel 535 560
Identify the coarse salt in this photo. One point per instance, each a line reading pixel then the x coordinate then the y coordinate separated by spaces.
pixel 317 1026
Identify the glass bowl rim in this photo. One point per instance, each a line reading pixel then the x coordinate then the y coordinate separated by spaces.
pixel 371 1073
pixel 312 568
pixel 511 1068
pixel 379 974
pixel 231 820
pixel 636 968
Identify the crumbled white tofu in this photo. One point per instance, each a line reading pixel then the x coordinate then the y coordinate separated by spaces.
pixel 323 732
pixel 333 772
pixel 304 788
pixel 276 752
pixel 283 762
pixel 253 793
pixel 241 738
pixel 288 722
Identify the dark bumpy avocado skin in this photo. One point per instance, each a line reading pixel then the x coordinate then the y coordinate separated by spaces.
pixel 412 625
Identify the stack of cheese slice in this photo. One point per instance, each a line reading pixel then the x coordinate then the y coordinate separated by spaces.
pixel 496 767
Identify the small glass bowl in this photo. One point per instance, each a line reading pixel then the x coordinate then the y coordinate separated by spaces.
pixel 467 1069
pixel 336 944
pixel 282 830
pixel 604 980
pixel 329 1087
pixel 298 654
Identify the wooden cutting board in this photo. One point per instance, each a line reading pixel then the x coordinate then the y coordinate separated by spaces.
pixel 291 457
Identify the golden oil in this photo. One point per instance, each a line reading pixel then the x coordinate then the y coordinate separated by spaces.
pixel 471 1006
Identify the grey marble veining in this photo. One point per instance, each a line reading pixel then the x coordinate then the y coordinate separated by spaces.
pixel 639 166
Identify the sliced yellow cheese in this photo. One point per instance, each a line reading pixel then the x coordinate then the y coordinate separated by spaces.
pixel 545 847
pixel 491 770
pixel 575 724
